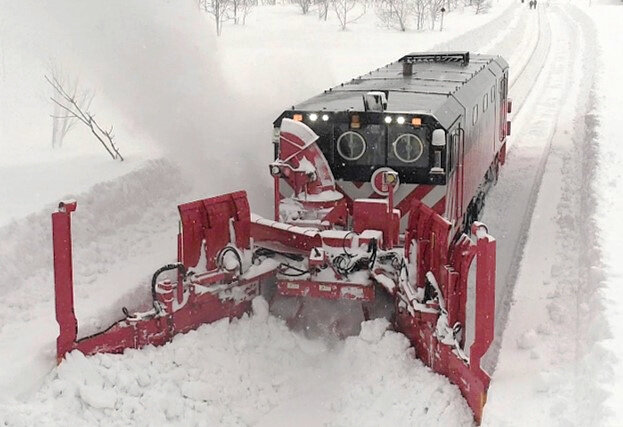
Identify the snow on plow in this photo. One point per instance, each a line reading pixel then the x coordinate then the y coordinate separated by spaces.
pixel 317 247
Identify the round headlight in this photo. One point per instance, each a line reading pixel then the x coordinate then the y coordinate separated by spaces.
pixel 313 117
pixel 408 148
pixel 325 117
pixel 400 120
pixel 351 146
pixel 388 119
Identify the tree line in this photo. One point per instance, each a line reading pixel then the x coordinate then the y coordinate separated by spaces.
pixel 401 15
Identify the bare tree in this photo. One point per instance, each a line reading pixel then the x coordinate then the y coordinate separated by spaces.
pixel 219 9
pixel 305 5
pixel 434 10
pixel 343 9
pixel 235 5
pixel 395 13
pixel 481 6
pixel 240 9
pixel 323 9
pixel 61 123
pixel 71 109
pixel 245 9
pixel 451 5
pixel 419 12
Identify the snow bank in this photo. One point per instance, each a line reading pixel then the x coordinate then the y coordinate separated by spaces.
pixel 555 367
pixel 607 270
pixel 123 231
pixel 248 372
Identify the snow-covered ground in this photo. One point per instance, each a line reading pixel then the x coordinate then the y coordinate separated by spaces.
pixel 193 114
pixel 605 355
pixel 247 373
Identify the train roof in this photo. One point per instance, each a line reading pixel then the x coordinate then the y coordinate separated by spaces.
pixel 439 84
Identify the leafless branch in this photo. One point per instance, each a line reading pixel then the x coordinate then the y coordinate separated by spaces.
pixel 74 109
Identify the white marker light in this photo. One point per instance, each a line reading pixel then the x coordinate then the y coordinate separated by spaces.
pixel 400 120
pixel 325 117
pixel 388 119
pixel 313 117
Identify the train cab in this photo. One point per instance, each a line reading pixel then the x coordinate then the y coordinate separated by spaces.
pixel 437 119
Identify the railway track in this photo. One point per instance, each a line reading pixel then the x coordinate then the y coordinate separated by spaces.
pixel 527 61
pixel 537 93
pixel 553 288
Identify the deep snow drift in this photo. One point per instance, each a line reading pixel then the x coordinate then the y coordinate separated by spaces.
pixel 240 373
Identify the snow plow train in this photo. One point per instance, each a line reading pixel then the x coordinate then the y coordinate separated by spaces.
pixel 378 184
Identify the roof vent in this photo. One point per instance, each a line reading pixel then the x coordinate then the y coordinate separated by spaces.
pixel 375 101
pixel 452 57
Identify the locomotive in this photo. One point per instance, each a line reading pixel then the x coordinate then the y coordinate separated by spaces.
pixel 438 119
pixel 378 184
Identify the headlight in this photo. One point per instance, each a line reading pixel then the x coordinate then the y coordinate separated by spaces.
pixel 388 119
pixel 313 117
pixel 351 146
pixel 400 120
pixel 325 117
pixel 408 147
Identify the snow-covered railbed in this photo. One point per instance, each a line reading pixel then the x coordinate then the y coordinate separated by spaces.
pixel 545 374
pixel 239 373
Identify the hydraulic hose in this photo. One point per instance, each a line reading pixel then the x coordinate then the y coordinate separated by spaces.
pixel 154 280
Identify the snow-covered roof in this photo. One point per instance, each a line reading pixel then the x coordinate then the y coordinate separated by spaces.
pixel 433 88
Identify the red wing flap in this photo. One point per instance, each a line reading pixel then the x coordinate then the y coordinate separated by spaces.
pixel 450 265
pixel 485 298
pixel 63 279
pixel 463 253
pixel 209 220
pixel 431 233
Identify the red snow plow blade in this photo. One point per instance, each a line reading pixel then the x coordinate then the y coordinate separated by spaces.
pixel 196 298
pixel 227 256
